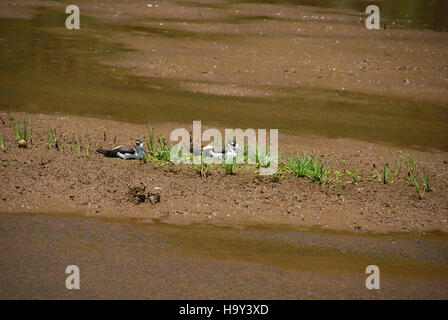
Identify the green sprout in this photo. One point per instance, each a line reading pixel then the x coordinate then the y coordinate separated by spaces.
pixel 203 169
pixel 52 139
pixel 385 173
pixel 397 166
pixel 355 176
pixel 22 132
pixel 420 192
pixel 79 146
pixel 425 178
pixel 151 141
pixel 230 167
pixel 410 162
pixel 164 150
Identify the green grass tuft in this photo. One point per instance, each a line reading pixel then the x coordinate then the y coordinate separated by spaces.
pixel 299 164
pixel 410 162
pixel 309 166
pixel 52 139
pixel 22 132
pixel 230 168
pixel 164 149
pixel 318 170
pixel 157 148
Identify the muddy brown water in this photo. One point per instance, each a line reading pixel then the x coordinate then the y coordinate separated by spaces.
pixel 419 14
pixel 124 258
pixel 43 68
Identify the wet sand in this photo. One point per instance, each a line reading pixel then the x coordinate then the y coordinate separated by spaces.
pixel 42 179
pixel 125 259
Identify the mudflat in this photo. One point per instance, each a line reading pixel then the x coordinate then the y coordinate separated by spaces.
pixel 40 178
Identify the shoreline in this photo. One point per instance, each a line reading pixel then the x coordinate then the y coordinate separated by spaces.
pixel 39 179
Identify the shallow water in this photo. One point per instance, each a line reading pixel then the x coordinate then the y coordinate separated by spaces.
pixel 124 258
pixel 419 14
pixel 44 68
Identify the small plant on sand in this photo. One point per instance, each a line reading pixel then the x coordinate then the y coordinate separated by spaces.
pixel 203 169
pixel 382 177
pixel 410 162
pixel 22 133
pixel 246 153
pixel 164 150
pixel 420 192
pixel 88 149
pixel 151 143
pixel 309 166
pixel 425 178
pixel 299 164
pixel 261 160
pixel 78 146
pixel 2 144
pixel 230 167
pixel 265 160
pixel 318 170
pixel 385 173
pixel 157 148
pixel 52 139
pixel 354 176
pixel 335 176
pixel 397 166
pixel 419 179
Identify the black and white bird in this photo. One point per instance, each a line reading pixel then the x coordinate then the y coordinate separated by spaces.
pixel 125 151
pixel 218 153
pixel 195 151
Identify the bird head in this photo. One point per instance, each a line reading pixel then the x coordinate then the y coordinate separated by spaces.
pixel 232 145
pixel 139 144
